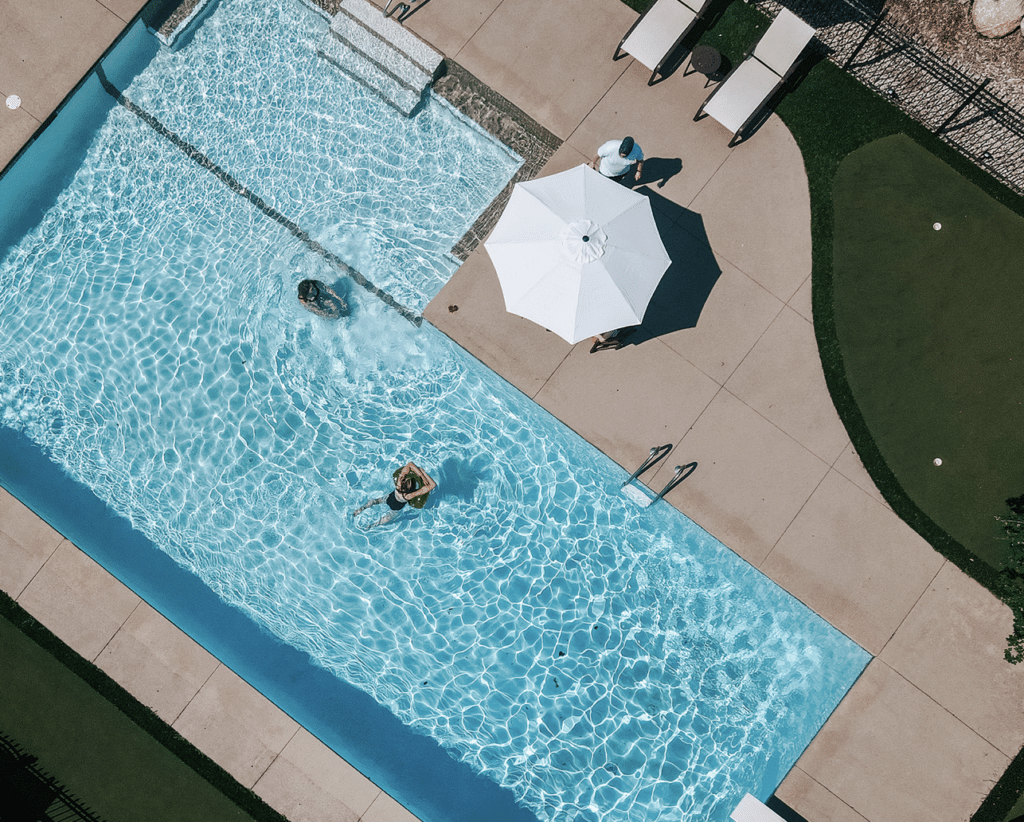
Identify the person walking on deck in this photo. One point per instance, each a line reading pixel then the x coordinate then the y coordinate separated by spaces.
pixel 616 159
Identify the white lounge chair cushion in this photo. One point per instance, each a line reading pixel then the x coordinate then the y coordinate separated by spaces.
pixel 783 42
pixel 743 93
pixel 751 810
pixel 651 40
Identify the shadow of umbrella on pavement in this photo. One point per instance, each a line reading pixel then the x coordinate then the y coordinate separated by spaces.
pixel 686 285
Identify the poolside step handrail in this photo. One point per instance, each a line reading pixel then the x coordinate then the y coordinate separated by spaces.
pixel 682 472
pixel 658 452
pixel 403 9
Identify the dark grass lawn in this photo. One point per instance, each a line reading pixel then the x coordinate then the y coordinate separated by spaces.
pixel 929 325
pixel 107 750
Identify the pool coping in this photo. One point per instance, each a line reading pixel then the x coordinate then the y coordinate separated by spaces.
pixel 505 122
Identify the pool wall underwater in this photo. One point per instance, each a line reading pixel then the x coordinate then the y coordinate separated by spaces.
pixel 411 767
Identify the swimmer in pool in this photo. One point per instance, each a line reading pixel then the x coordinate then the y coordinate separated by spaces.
pixel 322 299
pixel 412 484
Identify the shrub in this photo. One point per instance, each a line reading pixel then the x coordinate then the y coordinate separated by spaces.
pixel 1012 577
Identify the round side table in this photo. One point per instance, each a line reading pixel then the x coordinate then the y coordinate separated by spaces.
pixel 707 60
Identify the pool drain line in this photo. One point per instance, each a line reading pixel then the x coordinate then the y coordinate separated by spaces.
pixel 262 205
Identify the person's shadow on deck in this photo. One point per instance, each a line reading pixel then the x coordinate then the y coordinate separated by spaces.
pixel 657 171
pixel 686 285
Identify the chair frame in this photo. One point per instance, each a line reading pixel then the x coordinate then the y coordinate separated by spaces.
pixel 614 340
pixel 783 79
pixel 699 15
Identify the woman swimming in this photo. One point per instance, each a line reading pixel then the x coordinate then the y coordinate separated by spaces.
pixel 322 299
pixel 412 484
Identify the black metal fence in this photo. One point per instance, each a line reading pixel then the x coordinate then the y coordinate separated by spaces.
pixel 955 105
pixel 27 793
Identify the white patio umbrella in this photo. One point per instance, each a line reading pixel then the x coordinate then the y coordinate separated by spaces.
pixel 577 253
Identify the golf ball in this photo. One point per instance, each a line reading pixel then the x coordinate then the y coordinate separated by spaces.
pixel 936 226
pixel 937 461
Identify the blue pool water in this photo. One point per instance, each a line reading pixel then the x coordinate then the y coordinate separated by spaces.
pixel 598 660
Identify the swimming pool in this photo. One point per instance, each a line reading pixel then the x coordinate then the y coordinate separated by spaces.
pixel 599 660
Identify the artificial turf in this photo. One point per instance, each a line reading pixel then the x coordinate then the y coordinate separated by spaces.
pixel 929 325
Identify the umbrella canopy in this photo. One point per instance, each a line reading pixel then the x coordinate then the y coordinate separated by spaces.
pixel 577 253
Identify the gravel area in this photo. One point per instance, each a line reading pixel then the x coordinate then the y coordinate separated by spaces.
pixel 945 28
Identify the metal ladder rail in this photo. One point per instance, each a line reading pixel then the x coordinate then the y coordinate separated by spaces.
pixel 679 476
pixel 403 9
pixel 655 456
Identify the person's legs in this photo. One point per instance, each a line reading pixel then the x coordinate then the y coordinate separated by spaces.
pixel 384 520
pixel 366 505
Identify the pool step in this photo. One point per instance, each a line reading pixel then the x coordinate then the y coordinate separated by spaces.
pixel 367 72
pixel 381 54
pixel 753 810
pixel 391 31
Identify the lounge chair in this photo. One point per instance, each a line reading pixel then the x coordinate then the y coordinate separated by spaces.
pixel 768 64
pixel 659 31
pixel 752 810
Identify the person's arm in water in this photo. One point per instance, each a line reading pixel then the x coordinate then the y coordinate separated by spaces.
pixel 317 309
pixel 339 304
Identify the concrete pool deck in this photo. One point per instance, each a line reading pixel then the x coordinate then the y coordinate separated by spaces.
pixel 731 378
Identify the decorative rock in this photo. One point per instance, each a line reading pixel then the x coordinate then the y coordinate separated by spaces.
pixel 997 18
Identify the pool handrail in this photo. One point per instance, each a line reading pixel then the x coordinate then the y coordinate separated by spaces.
pixel 658 452
pixel 677 478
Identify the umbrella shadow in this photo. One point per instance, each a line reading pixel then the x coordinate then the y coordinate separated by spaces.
pixel 686 285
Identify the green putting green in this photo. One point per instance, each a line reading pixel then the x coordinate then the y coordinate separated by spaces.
pixel 929 310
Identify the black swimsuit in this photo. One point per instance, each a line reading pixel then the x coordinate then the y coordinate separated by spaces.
pixel 394 503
